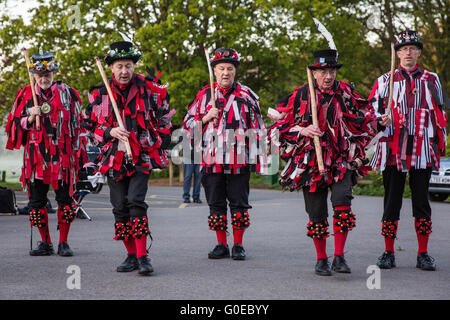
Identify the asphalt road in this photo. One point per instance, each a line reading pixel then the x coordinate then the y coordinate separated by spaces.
pixel 280 258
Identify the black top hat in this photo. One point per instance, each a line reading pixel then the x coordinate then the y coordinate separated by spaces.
pixel 406 38
pixel 325 59
pixel 122 50
pixel 226 55
pixel 42 63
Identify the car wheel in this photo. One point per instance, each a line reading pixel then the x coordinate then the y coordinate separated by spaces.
pixel 438 196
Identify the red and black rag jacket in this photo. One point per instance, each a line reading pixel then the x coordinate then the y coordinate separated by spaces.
pixel 144 109
pixel 417 136
pixel 57 151
pixel 235 143
pixel 345 120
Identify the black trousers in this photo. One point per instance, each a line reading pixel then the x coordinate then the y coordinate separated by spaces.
pixel 220 187
pixel 38 194
pixel 127 196
pixel 394 186
pixel 316 202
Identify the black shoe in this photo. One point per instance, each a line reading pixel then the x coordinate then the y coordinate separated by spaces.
pixel 425 262
pixel 197 201
pixel 323 267
pixel 220 251
pixel 238 252
pixel 64 250
pixel 340 265
pixel 130 264
pixel 43 249
pixel 145 268
pixel 386 261
pixel 187 201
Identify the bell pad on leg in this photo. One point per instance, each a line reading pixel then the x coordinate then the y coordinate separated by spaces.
pixel 317 230
pixel 240 220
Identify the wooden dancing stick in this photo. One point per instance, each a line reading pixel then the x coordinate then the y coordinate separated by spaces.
pixel 391 80
pixel 211 80
pixel 33 91
pixel 114 104
pixel 318 148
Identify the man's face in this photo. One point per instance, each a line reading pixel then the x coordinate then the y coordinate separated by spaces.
pixel 325 77
pixel 225 73
pixel 44 80
pixel 408 56
pixel 123 70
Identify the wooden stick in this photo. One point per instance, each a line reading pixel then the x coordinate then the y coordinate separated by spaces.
pixel 211 81
pixel 391 80
pixel 114 104
pixel 318 148
pixel 33 91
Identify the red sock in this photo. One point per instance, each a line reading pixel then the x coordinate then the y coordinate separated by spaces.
pixel 321 248
pixel 130 245
pixel 422 239
pixel 341 208
pixel 238 234
pixel 141 246
pixel 221 237
pixel 45 234
pixel 44 231
pixel 339 237
pixel 339 243
pixel 63 232
pixel 389 244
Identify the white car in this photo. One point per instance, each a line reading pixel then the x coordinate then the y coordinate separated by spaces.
pixel 439 188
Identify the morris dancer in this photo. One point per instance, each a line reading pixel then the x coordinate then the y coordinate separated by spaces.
pixel 144 108
pixel 344 131
pixel 412 144
pixel 230 126
pixel 46 122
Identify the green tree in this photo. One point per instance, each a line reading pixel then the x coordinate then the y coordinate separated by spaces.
pixel 275 38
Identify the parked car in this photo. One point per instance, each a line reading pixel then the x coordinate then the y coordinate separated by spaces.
pixel 440 182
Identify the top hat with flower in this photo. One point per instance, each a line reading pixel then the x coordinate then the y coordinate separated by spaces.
pixel 122 50
pixel 226 55
pixel 408 38
pixel 325 59
pixel 42 63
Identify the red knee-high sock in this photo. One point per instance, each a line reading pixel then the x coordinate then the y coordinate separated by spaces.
pixel 238 235
pixel 389 244
pixel 141 246
pixel 389 231
pixel 221 237
pixel 62 226
pixel 130 245
pixel 63 231
pixel 422 239
pixel 45 234
pixel 321 248
pixel 339 237
pixel 44 231
pixel 423 230
pixel 339 243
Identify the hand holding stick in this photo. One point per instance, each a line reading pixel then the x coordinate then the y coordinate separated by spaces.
pixel 114 104
pixel 318 148
pixel 35 101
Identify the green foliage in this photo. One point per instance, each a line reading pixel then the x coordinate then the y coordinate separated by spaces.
pixel 372 185
pixel 275 38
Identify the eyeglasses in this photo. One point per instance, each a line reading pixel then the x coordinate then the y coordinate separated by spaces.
pixel 412 49
pixel 331 72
